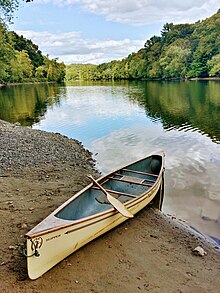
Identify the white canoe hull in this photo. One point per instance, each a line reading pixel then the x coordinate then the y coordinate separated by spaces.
pixel 47 248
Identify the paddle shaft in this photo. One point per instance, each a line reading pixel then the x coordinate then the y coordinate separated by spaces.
pixel 113 201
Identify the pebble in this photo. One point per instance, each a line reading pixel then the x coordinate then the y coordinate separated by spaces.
pixel 199 251
pixel 31 148
pixel 12 247
pixel 23 226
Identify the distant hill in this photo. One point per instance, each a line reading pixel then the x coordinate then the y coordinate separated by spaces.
pixel 182 51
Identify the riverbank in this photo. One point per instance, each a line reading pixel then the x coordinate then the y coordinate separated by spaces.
pixel 8 84
pixel 152 252
pixel 168 79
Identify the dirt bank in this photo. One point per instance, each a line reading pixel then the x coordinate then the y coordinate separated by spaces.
pixel 152 252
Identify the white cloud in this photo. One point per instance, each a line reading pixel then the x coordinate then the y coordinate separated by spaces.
pixel 144 12
pixel 70 47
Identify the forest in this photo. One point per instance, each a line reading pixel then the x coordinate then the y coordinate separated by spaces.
pixel 182 51
pixel 22 61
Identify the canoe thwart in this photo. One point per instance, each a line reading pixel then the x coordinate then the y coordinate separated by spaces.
pixel 116 192
pixel 126 179
pixel 101 198
pixel 139 172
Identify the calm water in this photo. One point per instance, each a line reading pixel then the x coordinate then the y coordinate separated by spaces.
pixel 121 122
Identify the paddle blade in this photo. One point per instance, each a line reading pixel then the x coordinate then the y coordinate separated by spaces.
pixel 119 206
pixel 113 201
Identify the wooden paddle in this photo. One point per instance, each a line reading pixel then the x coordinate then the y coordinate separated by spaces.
pixel 113 201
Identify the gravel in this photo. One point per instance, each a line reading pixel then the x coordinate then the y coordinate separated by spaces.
pixel 23 147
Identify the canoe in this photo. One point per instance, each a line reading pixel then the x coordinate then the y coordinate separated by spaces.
pixel 89 213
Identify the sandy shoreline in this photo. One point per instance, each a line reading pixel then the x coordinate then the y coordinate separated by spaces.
pixel 152 252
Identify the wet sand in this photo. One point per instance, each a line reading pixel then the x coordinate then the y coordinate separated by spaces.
pixel 151 252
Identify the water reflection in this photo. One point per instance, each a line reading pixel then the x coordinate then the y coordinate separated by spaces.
pixel 27 104
pixel 184 105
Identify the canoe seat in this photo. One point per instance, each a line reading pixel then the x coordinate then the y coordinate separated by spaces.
pixel 132 179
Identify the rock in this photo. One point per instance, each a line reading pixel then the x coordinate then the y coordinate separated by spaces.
pixel 23 226
pixel 199 251
pixel 12 247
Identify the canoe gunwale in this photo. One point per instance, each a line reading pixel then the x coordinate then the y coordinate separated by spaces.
pixel 65 224
pixel 91 219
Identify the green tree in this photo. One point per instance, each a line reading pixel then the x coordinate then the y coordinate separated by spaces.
pixel 6 53
pixel 54 71
pixel 214 66
pixel 155 71
pixel 175 59
pixel 21 67
pixel 167 27
pixel 41 72
pixel 20 43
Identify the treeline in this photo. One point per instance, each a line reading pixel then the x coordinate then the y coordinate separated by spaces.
pixel 182 51
pixel 22 61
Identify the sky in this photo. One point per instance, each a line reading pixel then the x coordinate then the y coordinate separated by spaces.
pixel 98 31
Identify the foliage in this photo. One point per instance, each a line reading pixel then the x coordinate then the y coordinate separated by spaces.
pixel 182 51
pixel 175 59
pixel 20 43
pixel 21 60
pixel 21 67
pixel 54 71
pixel 6 53
pixel 214 65
pixel 81 72
pixel 7 9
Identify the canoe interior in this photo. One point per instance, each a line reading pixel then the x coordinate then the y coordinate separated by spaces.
pixel 125 184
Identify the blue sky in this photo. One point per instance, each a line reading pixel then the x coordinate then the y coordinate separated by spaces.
pixel 97 31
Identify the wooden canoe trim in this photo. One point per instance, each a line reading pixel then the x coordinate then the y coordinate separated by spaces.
pixel 140 179
pixel 139 172
pixel 104 181
pixel 117 192
pixel 123 180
